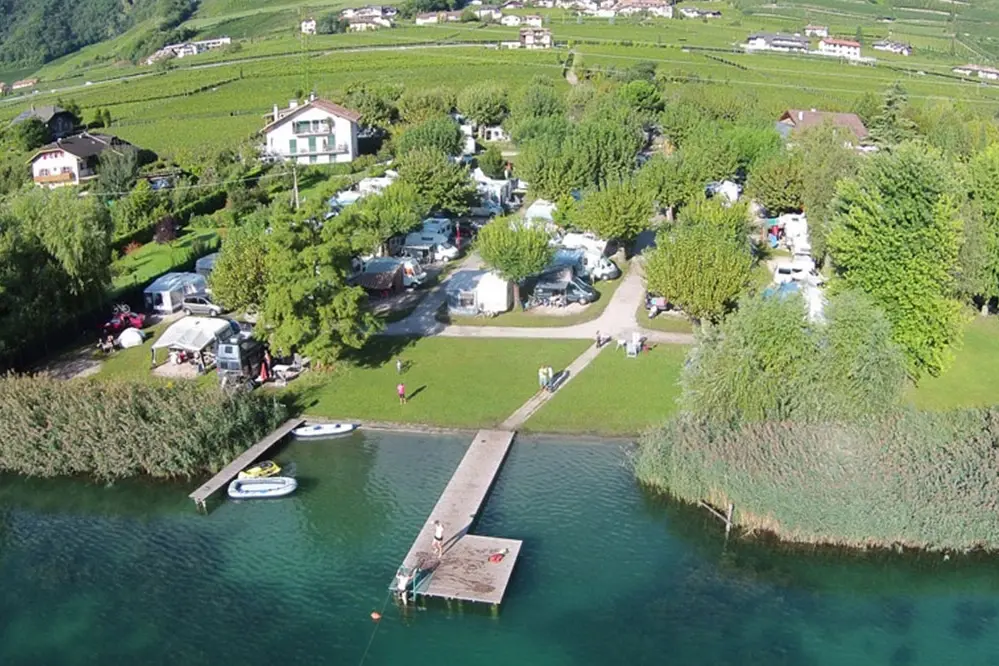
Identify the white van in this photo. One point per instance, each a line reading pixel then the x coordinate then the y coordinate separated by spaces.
pixel 584 241
pixel 413 274
pixel 439 225
pixel 438 244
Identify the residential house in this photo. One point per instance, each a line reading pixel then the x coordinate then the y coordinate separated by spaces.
pixel 793 121
pixel 430 18
pixel 61 123
pixel 365 24
pixel 601 12
pixel 990 73
pixel 24 83
pixel 765 41
pixel 188 49
pixel 316 132
pixel 71 160
pixel 534 21
pixel 544 4
pixel 511 20
pixel 487 13
pixel 661 8
pixel 893 47
pixel 309 26
pixel 509 45
pixel 689 12
pixel 369 12
pixel 513 4
pixel 840 48
pixel 536 38
pixel 816 31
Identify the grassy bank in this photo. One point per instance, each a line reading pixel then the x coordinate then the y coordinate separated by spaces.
pixel 616 395
pixel 915 478
pixel 450 381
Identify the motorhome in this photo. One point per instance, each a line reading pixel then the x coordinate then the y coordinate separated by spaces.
pixel 439 225
pixel 586 241
pixel 429 248
pixel 586 262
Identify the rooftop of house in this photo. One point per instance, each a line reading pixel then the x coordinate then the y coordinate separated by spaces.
pixel 82 145
pixel 841 42
pixel 43 113
pixel 284 115
pixel 800 119
pixel 771 36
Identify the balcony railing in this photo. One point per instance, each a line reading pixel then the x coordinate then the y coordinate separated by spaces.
pixel 65 177
pixel 312 130
pixel 324 149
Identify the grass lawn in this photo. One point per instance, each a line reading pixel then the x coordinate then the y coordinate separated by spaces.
pixel 525 318
pixel 663 321
pixel 616 395
pixel 154 259
pixel 973 379
pixel 451 381
pixel 133 363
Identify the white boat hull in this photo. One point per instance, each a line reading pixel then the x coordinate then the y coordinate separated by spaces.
pixel 273 486
pixel 321 430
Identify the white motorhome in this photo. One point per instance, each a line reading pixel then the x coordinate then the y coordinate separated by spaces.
pixel 471 292
pixel 439 225
pixel 584 241
pixel 430 247
pixel 586 262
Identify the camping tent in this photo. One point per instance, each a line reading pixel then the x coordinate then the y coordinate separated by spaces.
pixel 130 337
pixel 470 292
pixel 167 293
pixel 193 334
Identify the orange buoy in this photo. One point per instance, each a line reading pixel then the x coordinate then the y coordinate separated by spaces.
pixel 375 615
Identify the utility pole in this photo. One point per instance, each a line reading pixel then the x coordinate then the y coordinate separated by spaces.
pixel 294 176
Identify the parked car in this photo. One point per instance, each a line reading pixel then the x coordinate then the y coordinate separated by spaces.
pixel 199 304
pixel 123 320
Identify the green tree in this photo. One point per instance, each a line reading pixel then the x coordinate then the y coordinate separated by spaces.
pixel 138 210
pixel 979 272
pixel 492 162
pixel 896 236
pixel 29 135
pixel 441 133
pixel 538 100
pixel 484 103
pixel 826 160
pixel 698 264
pixel 777 183
pixel 440 184
pixel 375 102
pixel 515 250
pixel 308 305
pixel 767 361
pixel 239 278
pixel 419 104
pixel 330 23
pixel 117 170
pixel 891 126
pixel 642 96
pixel 373 220
pixel 619 212
pixel 867 107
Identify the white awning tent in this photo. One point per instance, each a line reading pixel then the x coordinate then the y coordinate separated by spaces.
pixel 194 334
pixel 470 292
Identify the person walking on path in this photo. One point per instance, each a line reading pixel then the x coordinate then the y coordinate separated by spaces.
pixel 542 378
pixel 398 366
pixel 549 376
pixel 401 390
pixel 438 539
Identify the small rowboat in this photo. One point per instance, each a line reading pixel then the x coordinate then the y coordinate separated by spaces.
pixel 274 486
pixel 324 430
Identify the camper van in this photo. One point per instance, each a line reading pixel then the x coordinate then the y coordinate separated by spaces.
pixel 430 247
pixel 586 262
pixel 563 284
pixel 584 241
pixel 413 274
pixel 439 225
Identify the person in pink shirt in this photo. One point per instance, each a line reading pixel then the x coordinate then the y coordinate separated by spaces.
pixel 401 390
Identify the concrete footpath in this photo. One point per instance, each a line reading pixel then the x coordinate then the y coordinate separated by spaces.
pixel 538 400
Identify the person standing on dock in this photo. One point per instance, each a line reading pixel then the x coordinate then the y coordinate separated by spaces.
pixel 401 390
pixel 438 539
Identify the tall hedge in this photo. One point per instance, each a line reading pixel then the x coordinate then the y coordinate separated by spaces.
pixel 915 478
pixel 113 430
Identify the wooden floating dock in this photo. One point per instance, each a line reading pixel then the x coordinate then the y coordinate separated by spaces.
pixel 465 572
pixel 242 461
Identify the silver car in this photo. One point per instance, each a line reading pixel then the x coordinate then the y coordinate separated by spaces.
pixel 199 304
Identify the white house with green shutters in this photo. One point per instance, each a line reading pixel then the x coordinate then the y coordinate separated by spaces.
pixel 315 132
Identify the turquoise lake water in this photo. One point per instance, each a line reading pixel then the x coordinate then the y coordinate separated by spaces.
pixel 607 574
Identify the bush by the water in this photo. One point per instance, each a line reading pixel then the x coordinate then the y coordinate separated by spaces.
pixel 114 430
pixel 923 479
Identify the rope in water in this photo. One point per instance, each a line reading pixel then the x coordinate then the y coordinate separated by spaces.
pixel 375 630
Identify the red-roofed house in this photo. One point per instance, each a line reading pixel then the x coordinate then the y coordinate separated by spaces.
pixel 840 48
pixel 793 121
pixel 316 132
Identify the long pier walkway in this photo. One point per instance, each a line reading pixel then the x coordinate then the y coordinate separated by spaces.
pixel 465 571
pixel 242 461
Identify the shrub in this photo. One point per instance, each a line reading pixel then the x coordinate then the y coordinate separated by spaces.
pixel 131 247
pixel 115 429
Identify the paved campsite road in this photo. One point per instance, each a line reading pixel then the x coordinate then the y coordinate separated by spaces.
pixel 616 322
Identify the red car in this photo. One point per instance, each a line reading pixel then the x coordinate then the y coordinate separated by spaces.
pixel 123 320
